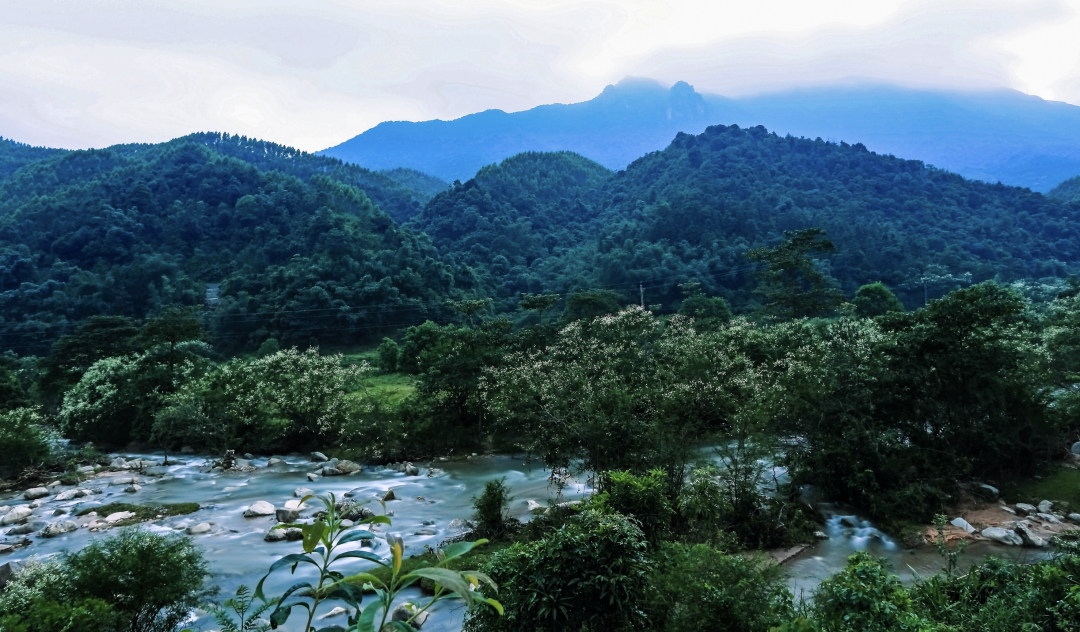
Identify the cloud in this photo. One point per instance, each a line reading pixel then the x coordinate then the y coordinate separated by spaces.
pixel 312 73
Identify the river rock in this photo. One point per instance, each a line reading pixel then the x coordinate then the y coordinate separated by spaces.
pixel 407 611
pixel 459 525
pixel 294 503
pixel 287 515
pixel 312 476
pixel 345 524
pixel 86 469
pixel 118 463
pixel 8 571
pixel 389 495
pixel 1023 529
pixel 37 503
pixel 1074 517
pixel 412 470
pixel 319 457
pixel 17 514
pixel 124 480
pixel 131 489
pixel 1009 510
pixel 259 508
pixel 847 522
pixel 347 467
pixel 1045 507
pixel 987 492
pixel 330 471
pixel 1025 509
pixel 352 492
pixel 1050 518
pixel 59 528
pixel 425 532
pixel 300 492
pixel 1002 536
pixel 274 535
pixel 35 492
pixel 273 461
pixel 336 612
pixel 28 528
pixel 294 534
pixel 118 516
pixel 202 527
pixel 963 524
pixel 67 494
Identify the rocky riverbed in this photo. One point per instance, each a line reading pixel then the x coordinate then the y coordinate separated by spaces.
pixel 233 510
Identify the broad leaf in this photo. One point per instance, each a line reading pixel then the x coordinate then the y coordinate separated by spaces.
pixel 312 534
pixel 362 555
pixel 448 578
pixel 353 536
pixel 366 621
pixel 458 549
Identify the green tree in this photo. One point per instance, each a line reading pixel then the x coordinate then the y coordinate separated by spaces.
pixel 98 337
pixel 588 304
pixel 539 303
pixel 864 597
pixel 874 299
pixel 791 284
pixel 24 439
pixel 171 327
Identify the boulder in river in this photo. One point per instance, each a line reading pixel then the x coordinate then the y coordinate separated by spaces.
pixel 119 463
pixel 1002 536
pixel 1045 507
pixel 389 495
pixel 1023 529
pixel 1075 517
pixel 287 515
pixel 202 527
pixel 319 457
pixel 407 611
pixel 331 471
pixel 294 534
pixel 312 476
pixel 273 461
pixel 963 524
pixel 1024 509
pixel 300 492
pixel 35 492
pixel 347 467
pixel 131 489
pixel 17 514
pixel 28 527
pixel 118 516
pixel 59 528
pixel 411 470
pixel 259 508
pixel 274 535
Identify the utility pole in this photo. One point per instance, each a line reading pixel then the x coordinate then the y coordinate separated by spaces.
pixel 641 288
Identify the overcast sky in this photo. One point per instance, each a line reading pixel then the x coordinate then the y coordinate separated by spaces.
pixel 313 73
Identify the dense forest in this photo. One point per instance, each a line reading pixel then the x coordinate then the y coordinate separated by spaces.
pixel 1068 191
pixel 307 249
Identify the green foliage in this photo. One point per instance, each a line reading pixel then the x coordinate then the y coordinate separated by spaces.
pixel 699 588
pixel 646 498
pixel 388 353
pixel 1067 191
pixel 24 439
pixel 322 542
pixel 704 310
pixel 134 581
pixel 144 512
pixel 864 597
pixel 874 299
pixel 270 346
pixel 492 515
pixel 240 613
pixel 792 286
pixel 950 555
pixel 588 304
pixel 590 575
pixel 98 337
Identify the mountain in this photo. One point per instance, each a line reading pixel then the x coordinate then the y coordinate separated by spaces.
pixel 691 211
pixel 625 121
pixel 1068 191
pixel 299 251
pixel 1000 135
pixel 14 155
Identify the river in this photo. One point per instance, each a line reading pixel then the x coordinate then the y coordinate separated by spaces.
pixel 239 555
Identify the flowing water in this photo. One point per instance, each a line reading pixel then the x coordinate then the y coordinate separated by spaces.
pixel 239 555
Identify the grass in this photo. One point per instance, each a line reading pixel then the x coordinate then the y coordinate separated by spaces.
pixel 143 512
pixel 392 387
pixel 472 561
pixel 1060 484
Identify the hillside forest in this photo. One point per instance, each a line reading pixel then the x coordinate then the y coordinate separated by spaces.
pixel 893 336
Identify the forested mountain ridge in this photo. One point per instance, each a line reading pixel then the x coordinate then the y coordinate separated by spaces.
pixel 129 229
pixel 691 211
pixel 996 136
pixel 1068 191
pixel 14 155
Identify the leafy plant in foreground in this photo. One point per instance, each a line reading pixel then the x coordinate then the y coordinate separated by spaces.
pixel 248 613
pixel 322 541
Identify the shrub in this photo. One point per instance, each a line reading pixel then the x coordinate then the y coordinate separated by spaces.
pixel 491 515
pixel 864 597
pixel 151 580
pixel 24 439
pixel 590 575
pixel 700 588
pixel 645 498
pixel 388 352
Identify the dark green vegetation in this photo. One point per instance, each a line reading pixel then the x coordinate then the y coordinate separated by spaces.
pixel 135 581
pixel 1068 191
pixel 144 512
pixel 14 155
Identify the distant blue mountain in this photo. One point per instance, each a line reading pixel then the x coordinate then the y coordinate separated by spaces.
pixel 999 135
